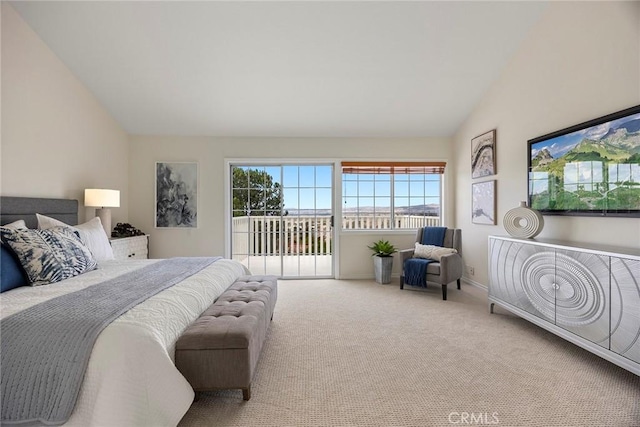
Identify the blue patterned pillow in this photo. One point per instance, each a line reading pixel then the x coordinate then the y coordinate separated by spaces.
pixel 49 256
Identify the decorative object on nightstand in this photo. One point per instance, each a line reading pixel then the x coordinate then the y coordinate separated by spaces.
pixel 135 247
pixel 523 222
pixel 123 229
pixel 102 199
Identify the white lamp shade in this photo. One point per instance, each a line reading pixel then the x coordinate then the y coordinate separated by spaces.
pixel 99 198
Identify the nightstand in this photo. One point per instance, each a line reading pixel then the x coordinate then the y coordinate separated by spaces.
pixel 136 247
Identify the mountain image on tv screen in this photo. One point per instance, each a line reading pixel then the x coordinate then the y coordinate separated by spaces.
pixel 593 169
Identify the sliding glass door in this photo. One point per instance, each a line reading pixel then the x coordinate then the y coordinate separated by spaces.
pixel 282 219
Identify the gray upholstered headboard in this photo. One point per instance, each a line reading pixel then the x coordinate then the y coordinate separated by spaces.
pixel 15 208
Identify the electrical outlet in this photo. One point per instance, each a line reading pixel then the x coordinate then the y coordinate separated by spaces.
pixel 471 270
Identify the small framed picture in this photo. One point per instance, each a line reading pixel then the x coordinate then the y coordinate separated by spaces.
pixel 483 157
pixel 176 195
pixel 483 205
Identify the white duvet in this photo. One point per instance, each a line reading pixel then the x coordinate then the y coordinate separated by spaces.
pixel 131 379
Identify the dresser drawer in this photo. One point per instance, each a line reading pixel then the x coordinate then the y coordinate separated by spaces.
pixel 136 247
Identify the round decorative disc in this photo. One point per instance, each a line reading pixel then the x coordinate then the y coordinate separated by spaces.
pixel 523 222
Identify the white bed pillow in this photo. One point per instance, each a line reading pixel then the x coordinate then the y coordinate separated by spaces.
pixel 432 252
pixel 91 233
pixel 16 225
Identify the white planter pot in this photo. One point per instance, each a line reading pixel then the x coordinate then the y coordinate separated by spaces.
pixel 382 266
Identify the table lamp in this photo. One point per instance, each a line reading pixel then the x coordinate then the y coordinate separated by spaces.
pixel 102 199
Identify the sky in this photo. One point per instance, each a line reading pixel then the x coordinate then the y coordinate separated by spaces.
pixel 304 186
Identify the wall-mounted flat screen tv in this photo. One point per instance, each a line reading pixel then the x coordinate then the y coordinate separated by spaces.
pixel 590 169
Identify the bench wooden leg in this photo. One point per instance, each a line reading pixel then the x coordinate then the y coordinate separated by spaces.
pixel 246 393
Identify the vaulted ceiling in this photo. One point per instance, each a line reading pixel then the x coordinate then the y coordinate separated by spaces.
pixel 287 69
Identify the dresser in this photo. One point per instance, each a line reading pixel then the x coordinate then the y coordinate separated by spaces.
pixel 587 294
pixel 136 247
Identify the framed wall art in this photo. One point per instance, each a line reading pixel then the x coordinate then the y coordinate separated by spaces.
pixel 483 158
pixel 483 205
pixel 176 195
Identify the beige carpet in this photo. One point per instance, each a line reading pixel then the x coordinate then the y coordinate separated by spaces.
pixel 356 353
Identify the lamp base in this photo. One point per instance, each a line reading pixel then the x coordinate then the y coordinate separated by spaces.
pixel 105 218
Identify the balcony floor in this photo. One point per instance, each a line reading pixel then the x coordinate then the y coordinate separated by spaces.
pixel 293 266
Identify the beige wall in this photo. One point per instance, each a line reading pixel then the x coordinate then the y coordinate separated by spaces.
pixel 56 138
pixel 580 62
pixel 211 153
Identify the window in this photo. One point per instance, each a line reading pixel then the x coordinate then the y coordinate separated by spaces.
pixel 384 195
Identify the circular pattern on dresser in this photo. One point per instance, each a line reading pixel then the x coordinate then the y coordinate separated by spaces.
pixel 537 276
pixel 564 288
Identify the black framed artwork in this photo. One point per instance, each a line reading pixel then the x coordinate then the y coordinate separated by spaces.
pixel 483 158
pixel 590 169
pixel 176 195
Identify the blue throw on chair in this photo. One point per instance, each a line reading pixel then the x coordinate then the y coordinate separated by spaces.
pixel 415 269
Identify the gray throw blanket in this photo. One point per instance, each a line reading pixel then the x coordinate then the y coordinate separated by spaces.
pixel 45 348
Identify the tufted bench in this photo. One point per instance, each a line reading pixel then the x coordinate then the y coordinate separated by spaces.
pixel 220 350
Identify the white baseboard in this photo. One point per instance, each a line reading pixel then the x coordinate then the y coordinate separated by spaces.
pixel 396 277
pixel 355 277
pixel 474 283
pixel 365 277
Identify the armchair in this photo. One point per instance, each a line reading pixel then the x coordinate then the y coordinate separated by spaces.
pixel 450 267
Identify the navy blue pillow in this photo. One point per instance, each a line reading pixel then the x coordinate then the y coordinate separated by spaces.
pixel 11 273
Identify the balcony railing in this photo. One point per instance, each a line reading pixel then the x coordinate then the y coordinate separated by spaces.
pixel 307 235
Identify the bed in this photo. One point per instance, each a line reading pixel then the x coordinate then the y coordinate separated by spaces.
pixel 131 378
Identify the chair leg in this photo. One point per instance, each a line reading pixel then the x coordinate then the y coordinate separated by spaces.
pixel 444 292
pixel 246 393
pixel 402 282
pixel 458 283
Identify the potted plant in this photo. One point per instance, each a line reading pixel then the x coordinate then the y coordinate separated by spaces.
pixel 383 260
